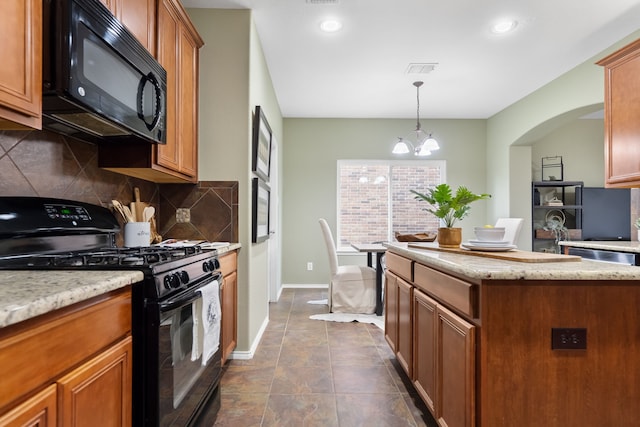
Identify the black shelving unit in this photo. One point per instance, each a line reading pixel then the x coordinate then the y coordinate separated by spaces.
pixel 569 193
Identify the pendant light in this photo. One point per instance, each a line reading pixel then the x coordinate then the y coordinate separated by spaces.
pixel 418 141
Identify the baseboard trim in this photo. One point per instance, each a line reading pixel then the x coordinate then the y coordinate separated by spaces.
pixel 247 355
pixel 306 286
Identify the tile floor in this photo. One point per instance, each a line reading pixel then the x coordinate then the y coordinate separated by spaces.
pixel 314 373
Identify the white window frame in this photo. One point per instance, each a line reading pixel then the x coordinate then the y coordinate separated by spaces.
pixel 441 164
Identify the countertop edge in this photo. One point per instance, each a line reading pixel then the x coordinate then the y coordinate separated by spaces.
pixel 479 268
pixel 25 294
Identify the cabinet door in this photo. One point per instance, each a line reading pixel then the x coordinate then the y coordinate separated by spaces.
pixel 424 347
pixel 391 310
pixel 455 367
pixel 139 16
pixel 100 390
pixel 38 411
pixel 229 329
pixel 622 109
pixel 21 74
pixel 405 326
pixel 178 45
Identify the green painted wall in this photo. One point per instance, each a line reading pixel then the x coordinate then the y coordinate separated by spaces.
pixel 311 150
pixel 234 79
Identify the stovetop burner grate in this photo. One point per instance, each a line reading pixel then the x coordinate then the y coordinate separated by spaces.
pixel 144 256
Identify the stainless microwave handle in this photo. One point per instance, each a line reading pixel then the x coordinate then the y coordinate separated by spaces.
pixel 185 298
pixel 156 86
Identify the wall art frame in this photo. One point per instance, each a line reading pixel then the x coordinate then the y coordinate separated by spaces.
pixel 261 138
pixel 261 196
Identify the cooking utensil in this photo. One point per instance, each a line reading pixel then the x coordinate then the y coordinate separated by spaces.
pixel 124 211
pixel 140 206
pixel 148 213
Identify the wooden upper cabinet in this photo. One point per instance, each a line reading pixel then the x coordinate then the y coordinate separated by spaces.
pixel 21 71
pixel 622 116
pixel 139 16
pixel 177 46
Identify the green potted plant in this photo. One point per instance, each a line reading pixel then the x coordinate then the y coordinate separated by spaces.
pixel 449 207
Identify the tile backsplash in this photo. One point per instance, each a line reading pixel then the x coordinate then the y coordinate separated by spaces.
pixel 46 164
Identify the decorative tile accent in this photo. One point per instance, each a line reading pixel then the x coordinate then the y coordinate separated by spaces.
pixel 183 215
pixel 212 207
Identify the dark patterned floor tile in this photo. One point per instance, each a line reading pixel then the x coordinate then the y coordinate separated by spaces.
pixel 297 355
pixel 301 380
pixel 308 410
pixel 247 379
pixel 244 409
pixel 363 379
pixel 388 410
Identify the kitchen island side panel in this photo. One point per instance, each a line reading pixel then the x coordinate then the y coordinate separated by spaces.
pixel 524 382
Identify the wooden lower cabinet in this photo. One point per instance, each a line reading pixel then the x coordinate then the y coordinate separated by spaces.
pixel 455 370
pixel 70 367
pixel 391 310
pixel 404 352
pixel 424 348
pixel 38 411
pixel 229 304
pixel 99 391
pixel 435 346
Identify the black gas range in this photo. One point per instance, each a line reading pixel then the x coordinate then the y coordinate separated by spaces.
pixel 175 382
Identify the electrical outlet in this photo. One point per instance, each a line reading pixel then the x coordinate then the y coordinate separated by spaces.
pixel 309 266
pixel 568 338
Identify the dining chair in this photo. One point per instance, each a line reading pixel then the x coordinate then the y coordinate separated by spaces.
pixel 352 288
pixel 512 228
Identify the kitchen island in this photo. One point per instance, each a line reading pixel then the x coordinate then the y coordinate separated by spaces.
pixel 491 342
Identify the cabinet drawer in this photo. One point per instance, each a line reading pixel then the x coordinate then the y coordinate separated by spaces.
pixel 399 265
pixel 448 290
pixel 228 263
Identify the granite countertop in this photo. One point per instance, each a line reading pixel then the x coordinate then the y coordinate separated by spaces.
pixel 231 247
pixel 30 293
pixel 476 267
pixel 613 245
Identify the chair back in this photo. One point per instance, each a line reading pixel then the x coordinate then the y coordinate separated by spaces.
pixel 331 247
pixel 512 228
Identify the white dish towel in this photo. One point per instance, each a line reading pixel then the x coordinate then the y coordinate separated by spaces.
pixel 206 323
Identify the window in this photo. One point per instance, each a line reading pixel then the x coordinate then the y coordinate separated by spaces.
pixel 375 202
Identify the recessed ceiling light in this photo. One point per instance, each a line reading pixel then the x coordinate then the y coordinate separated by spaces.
pixel 330 26
pixel 504 26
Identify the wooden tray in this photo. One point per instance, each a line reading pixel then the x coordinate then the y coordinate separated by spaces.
pixel 514 255
pixel 417 237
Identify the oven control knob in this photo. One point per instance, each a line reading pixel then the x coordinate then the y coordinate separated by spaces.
pixel 216 264
pixel 210 265
pixel 184 277
pixel 171 281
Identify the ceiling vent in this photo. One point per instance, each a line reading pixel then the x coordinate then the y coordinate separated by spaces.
pixel 323 1
pixel 421 68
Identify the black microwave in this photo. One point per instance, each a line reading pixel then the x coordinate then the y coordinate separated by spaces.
pixel 99 83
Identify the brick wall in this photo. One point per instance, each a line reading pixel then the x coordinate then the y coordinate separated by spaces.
pixel 368 191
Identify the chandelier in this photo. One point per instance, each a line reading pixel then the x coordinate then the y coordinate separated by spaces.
pixel 418 141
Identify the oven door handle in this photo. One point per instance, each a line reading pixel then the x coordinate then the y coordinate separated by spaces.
pixel 187 297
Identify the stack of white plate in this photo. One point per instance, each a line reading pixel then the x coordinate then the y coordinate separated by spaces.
pixel 488 246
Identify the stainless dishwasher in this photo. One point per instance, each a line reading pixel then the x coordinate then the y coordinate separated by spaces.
pixel 616 257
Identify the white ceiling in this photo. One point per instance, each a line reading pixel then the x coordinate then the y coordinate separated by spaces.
pixel 360 71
